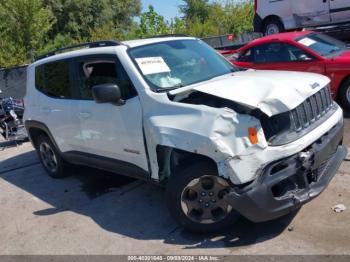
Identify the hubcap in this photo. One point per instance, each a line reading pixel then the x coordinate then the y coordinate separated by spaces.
pixel 272 29
pixel 348 94
pixel 48 157
pixel 202 200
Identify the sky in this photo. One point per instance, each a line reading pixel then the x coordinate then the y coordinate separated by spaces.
pixel 167 8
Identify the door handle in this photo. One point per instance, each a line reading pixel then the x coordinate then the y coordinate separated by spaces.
pixel 84 115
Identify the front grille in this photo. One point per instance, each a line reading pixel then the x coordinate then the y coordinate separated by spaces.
pixel 311 109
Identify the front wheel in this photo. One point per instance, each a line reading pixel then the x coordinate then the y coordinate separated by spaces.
pixel 344 94
pixel 195 197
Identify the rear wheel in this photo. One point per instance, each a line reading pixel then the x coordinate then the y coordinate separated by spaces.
pixel 49 157
pixel 195 199
pixel 344 94
pixel 273 26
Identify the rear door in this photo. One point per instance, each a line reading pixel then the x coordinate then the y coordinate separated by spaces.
pixel 280 56
pixel 57 103
pixel 340 10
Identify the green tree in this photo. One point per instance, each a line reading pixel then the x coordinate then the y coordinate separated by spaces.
pixel 151 23
pixel 79 18
pixel 23 30
pixel 177 26
pixel 195 11
pixel 203 18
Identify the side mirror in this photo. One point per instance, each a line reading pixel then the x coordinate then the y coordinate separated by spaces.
pixel 107 93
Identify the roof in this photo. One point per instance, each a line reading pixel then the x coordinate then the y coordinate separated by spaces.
pixel 147 41
pixel 107 49
pixel 282 36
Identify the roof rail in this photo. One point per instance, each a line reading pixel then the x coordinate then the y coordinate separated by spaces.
pixel 88 45
pixel 168 35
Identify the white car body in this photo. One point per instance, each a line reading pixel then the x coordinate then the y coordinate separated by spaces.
pixel 272 91
pixel 296 14
pixel 133 132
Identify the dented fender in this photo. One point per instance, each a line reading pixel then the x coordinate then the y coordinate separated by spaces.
pixel 220 134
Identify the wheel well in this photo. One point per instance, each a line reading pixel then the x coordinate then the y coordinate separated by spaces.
pixel 171 159
pixel 271 17
pixel 34 133
pixel 346 78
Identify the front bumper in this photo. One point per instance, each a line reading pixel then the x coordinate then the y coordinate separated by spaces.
pixel 287 184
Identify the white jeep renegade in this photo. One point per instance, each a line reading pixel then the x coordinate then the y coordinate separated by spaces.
pixel 172 110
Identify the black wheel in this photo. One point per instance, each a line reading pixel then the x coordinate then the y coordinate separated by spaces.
pixel 273 26
pixel 49 157
pixel 344 94
pixel 195 198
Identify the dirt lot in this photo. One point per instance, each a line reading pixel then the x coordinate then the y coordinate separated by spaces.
pixel 93 212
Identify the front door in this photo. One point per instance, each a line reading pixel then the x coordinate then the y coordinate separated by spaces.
pixel 340 11
pixel 110 131
pixel 280 56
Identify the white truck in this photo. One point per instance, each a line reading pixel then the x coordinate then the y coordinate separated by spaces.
pixel 276 16
pixel 173 111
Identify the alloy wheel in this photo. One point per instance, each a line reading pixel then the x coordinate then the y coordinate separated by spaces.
pixel 202 200
pixel 48 157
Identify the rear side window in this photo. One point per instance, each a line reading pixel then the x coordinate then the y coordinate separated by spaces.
pixel 53 79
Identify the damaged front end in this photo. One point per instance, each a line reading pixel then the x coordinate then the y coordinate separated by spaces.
pixel 288 183
pixel 296 153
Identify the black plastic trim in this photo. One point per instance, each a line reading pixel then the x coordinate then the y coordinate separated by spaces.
pixel 95 44
pixel 257 201
pixel 91 160
pixel 28 124
pixel 107 164
pixel 337 10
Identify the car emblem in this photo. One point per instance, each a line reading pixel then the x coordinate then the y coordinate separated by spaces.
pixel 315 85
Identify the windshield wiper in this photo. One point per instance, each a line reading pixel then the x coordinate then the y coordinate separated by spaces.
pixel 163 89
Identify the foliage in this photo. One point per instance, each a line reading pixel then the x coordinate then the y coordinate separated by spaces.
pixel 23 29
pixel 32 27
pixel 151 23
pixel 209 19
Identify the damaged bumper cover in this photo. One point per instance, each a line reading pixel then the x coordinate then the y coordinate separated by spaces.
pixel 287 184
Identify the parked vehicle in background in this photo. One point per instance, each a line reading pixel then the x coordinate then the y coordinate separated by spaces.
pixel 11 118
pixel 173 111
pixel 272 17
pixel 305 51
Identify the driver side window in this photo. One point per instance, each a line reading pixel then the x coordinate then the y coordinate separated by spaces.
pixel 246 56
pixel 103 70
pixel 279 53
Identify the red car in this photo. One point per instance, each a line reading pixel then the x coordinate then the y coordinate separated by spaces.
pixel 304 51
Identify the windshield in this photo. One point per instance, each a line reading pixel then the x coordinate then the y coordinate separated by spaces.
pixel 174 64
pixel 322 44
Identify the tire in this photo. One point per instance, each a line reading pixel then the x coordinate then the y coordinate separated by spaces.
pixel 50 158
pixel 344 94
pixel 272 26
pixel 181 183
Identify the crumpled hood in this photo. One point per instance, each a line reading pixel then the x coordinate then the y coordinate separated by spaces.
pixel 273 92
